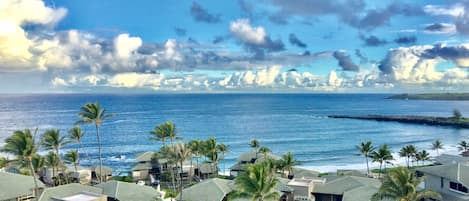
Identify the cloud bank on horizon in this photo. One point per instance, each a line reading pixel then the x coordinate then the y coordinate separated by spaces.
pixel 298 45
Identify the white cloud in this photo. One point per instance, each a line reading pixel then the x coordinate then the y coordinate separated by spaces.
pixel 242 29
pixel 125 46
pixel 136 80
pixel 444 28
pixel 454 11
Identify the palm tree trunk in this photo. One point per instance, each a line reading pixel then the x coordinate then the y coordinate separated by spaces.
pixel 180 182
pixel 84 150
pixel 34 178
pixel 172 178
pixel 198 167
pixel 224 162
pixel 75 165
pixel 367 167
pixel 99 154
pixel 380 166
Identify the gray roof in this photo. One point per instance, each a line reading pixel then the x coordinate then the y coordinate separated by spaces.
pixel 304 173
pixel 455 172
pixel 209 190
pixel 145 157
pixel 351 187
pixel 216 189
pixel 249 156
pixel 124 191
pixel 16 185
pixel 446 159
pixel 142 166
pixel 207 168
pixel 67 190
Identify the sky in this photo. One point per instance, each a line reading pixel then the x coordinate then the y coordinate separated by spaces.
pixel 124 46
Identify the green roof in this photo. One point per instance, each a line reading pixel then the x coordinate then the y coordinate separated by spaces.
pixel 67 190
pixel 456 172
pixel 209 190
pixel 128 191
pixel 346 185
pixel 16 185
pixel 145 157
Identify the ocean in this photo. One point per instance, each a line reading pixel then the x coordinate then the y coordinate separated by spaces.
pixel 282 122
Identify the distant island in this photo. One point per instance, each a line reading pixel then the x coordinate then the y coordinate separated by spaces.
pixel 432 96
pixel 423 120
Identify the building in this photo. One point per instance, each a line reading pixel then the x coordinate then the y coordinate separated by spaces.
pixel 345 188
pixel 106 175
pixel 303 188
pixel 248 158
pixel 123 191
pixel 109 191
pixel 73 191
pixel 218 189
pixel 146 165
pixel 16 187
pixel 447 159
pixel 451 181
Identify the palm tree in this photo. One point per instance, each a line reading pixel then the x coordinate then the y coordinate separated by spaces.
pixel 196 147
pixel 38 163
pixel 72 157
pixel 408 151
pixel 402 184
pixel 382 156
pixel 3 162
pixel 23 146
pixel 255 144
pixel 437 145
pixel 366 148
pixel 222 148
pixel 288 162
pixel 75 134
pixel 463 146
pixel 257 184
pixel 422 156
pixel 166 130
pixel 264 151
pixel 53 161
pixel 92 113
pixel 158 134
pixel 211 152
pixel 181 154
pixel 51 140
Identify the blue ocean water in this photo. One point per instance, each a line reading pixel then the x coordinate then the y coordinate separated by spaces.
pixel 283 122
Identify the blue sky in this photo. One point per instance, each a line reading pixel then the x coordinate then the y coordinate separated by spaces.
pixel 225 46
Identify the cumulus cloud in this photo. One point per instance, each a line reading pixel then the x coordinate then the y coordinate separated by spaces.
pixel 296 41
pixel 458 11
pixel 200 14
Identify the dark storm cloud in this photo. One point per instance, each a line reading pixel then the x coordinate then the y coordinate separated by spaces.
pixel 247 9
pixel 405 40
pixel 345 62
pixel 200 14
pixel 260 50
pixel 296 41
pixel 435 27
pixel 359 54
pixel 180 31
pixel 351 12
pixel 372 41
pixel 448 53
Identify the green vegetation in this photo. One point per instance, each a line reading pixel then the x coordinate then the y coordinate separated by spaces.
pixel 437 145
pixel 382 156
pixel 127 178
pixel 432 96
pixel 402 184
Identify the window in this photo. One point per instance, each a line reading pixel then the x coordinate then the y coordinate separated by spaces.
pixel 442 182
pixel 458 187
